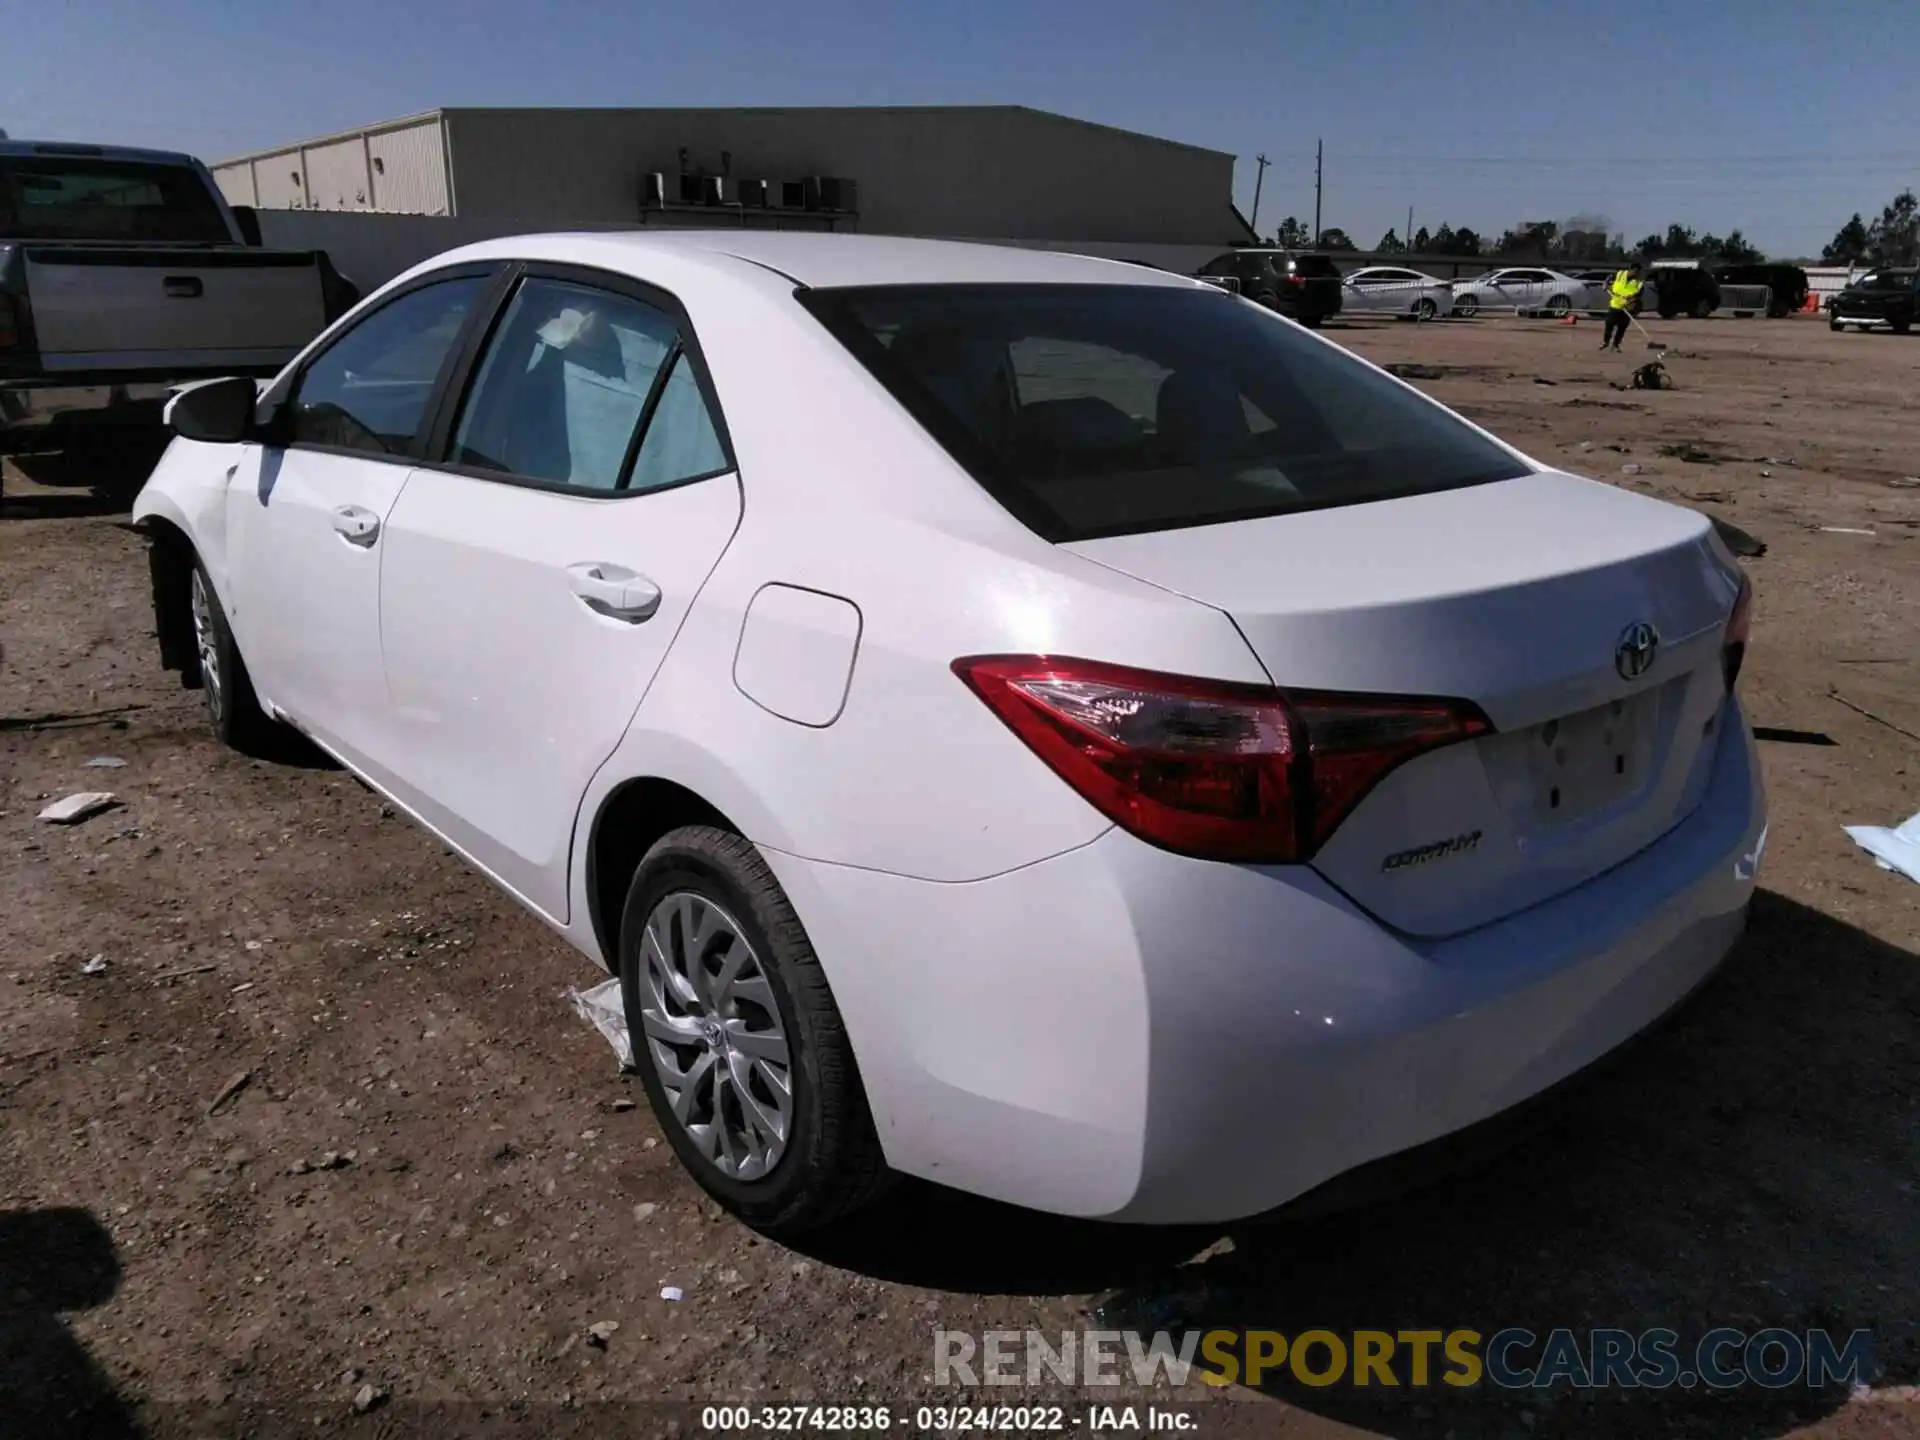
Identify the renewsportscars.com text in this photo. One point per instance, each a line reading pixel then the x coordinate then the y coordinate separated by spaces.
pixel 1512 1358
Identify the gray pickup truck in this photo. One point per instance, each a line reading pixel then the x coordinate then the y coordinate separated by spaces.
pixel 123 273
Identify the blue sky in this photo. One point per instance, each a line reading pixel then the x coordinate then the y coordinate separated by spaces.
pixel 1778 119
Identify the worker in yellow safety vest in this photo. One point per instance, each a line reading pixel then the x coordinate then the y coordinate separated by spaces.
pixel 1623 298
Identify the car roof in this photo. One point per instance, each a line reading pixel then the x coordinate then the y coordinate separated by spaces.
pixel 74 151
pixel 819 260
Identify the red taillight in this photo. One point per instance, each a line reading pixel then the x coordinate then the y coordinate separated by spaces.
pixel 1734 651
pixel 1209 768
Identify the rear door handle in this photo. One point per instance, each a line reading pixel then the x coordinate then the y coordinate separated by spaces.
pixel 357 526
pixel 183 287
pixel 614 591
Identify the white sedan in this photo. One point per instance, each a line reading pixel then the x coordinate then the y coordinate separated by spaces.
pixel 1392 290
pixel 1016 719
pixel 1525 290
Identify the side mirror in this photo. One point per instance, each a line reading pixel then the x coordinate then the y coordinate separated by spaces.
pixel 216 412
pixel 247 219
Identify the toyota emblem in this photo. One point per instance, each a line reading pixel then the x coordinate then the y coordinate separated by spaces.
pixel 1634 653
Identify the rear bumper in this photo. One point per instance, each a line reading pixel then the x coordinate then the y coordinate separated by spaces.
pixel 1124 1033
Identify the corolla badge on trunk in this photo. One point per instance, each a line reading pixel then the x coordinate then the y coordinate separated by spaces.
pixel 1634 651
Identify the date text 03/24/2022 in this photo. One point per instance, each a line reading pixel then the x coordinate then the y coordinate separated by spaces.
pixel 947 1419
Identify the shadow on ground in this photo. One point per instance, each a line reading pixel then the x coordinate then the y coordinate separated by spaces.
pixel 1752 1164
pixel 54 1262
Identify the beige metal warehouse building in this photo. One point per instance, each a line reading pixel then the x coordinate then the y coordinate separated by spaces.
pixel 993 172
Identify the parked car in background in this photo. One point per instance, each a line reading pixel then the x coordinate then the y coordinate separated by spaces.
pixel 1525 289
pixel 1392 290
pixel 1004 716
pixel 1301 286
pixel 123 272
pixel 1881 299
pixel 1680 287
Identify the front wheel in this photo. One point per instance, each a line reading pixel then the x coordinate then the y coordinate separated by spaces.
pixel 1425 309
pixel 1901 327
pixel 1701 309
pixel 1467 306
pixel 737 1039
pixel 225 687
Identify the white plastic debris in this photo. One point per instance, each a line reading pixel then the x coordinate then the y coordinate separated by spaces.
pixel 1897 849
pixel 602 1008
pixel 106 762
pixel 1843 530
pixel 672 1292
pixel 95 966
pixel 78 806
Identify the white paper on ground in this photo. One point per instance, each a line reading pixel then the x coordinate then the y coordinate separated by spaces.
pixel 77 807
pixel 1897 849
pixel 602 1008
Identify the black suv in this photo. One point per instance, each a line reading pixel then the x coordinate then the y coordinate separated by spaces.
pixel 1687 288
pixel 1300 286
pixel 1880 297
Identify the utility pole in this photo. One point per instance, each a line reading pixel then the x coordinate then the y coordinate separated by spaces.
pixel 1259 175
pixel 1319 154
pixel 1408 237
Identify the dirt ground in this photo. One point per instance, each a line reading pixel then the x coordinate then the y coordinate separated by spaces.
pixel 432 1180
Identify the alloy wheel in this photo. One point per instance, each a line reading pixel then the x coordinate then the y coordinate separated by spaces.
pixel 714 1033
pixel 205 640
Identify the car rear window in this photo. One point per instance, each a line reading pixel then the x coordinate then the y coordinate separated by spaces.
pixel 1315 265
pixel 73 198
pixel 1111 410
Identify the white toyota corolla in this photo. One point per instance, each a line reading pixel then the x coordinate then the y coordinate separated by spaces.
pixel 1027 721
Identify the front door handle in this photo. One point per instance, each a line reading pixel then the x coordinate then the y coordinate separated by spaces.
pixel 356 525
pixel 614 591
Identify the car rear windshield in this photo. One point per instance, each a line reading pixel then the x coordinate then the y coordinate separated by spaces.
pixel 1111 410
pixel 1315 265
pixel 1886 280
pixel 72 198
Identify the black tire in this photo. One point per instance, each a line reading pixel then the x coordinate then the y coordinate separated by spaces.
pixel 1901 327
pixel 1559 306
pixel 1467 306
pixel 1668 314
pixel 1425 308
pixel 1268 298
pixel 220 675
pixel 1313 320
pixel 831 1165
pixel 1701 309
pixel 1835 325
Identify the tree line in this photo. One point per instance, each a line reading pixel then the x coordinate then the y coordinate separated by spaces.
pixel 1891 239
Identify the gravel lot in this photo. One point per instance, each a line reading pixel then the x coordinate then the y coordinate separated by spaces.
pixel 431 1181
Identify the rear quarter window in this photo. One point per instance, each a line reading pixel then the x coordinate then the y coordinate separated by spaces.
pixel 1107 410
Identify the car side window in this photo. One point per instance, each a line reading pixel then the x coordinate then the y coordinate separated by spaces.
pixel 564 384
pixel 681 442
pixel 369 389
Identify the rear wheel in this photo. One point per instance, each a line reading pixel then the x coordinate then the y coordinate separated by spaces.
pixel 225 687
pixel 1425 309
pixel 737 1039
pixel 1900 327
pixel 1701 309
pixel 1268 298
pixel 1835 325
pixel 1668 314
pixel 1559 306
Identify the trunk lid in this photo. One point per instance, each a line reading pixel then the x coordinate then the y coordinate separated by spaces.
pixel 1518 596
pixel 160 308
